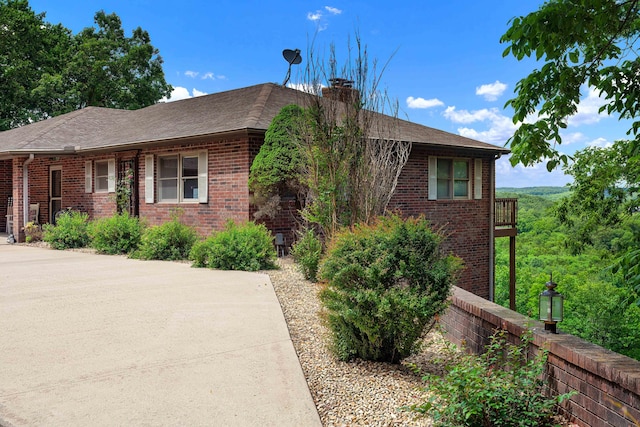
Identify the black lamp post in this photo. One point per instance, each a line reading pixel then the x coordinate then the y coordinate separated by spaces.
pixel 551 305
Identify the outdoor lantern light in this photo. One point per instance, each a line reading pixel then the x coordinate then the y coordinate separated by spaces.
pixel 551 305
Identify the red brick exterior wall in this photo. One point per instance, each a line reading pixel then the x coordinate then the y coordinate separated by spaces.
pixel 73 186
pixel 465 223
pixel 608 383
pixel 5 191
pixel 228 194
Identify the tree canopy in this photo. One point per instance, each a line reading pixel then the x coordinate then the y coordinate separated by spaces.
pixel 583 43
pixel 45 70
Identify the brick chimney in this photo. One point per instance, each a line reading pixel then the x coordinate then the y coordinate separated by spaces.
pixel 341 90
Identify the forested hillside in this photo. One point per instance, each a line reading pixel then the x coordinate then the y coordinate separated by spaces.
pixel 599 307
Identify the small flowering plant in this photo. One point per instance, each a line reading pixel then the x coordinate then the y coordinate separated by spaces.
pixel 32 232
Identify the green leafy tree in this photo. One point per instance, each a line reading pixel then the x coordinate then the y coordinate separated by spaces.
pixel 604 192
pixel 582 43
pixel 45 70
pixel 599 306
pixel 29 49
pixel 107 69
pixel 275 171
pixel 602 210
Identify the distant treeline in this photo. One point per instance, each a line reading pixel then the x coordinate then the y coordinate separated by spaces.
pixel 534 191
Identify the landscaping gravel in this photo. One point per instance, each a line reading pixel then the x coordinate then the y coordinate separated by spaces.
pixel 356 393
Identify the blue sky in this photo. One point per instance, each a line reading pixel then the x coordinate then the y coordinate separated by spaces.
pixel 446 67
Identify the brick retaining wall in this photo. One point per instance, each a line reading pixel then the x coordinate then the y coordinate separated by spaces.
pixel 608 383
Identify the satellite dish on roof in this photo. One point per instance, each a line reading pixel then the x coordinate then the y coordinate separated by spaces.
pixel 292 57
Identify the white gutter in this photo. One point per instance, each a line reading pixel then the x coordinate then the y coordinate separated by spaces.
pixel 25 189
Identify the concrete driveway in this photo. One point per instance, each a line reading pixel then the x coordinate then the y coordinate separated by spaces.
pixel 94 340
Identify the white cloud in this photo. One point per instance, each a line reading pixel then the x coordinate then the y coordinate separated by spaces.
pixel 306 87
pixel 532 176
pixel 465 116
pixel 500 127
pixel 319 17
pixel 572 138
pixel 423 103
pixel 192 74
pixel 179 93
pixel 491 91
pixel 315 17
pixel 600 142
pixel 208 75
pixel 588 110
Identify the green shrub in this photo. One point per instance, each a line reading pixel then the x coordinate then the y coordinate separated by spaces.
pixel 118 234
pixel 170 241
pixel 386 284
pixel 503 387
pixel 69 232
pixel 247 247
pixel 306 253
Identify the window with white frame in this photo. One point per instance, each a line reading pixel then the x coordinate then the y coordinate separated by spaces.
pixel 104 172
pixel 452 178
pixel 182 178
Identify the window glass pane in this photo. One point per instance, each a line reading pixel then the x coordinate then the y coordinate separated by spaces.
pixel 460 169
pixel 102 168
pixel 56 183
pixel 168 167
pixel 444 189
pixel 102 176
pixel 102 183
pixel 190 188
pixel 168 189
pixel 56 206
pixel 461 188
pixel 444 169
pixel 189 166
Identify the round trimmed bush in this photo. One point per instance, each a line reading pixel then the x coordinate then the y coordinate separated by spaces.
pixel 247 247
pixel 386 284
pixel 117 234
pixel 171 241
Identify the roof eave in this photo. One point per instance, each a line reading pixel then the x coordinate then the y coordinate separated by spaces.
pixel 136 145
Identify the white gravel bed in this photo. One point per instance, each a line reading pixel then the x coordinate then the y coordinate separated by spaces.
pixel 356 393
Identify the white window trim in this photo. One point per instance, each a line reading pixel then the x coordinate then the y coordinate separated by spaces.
pixel 88 176
pixel 111 176
pixel 202 177
pixel 148 179
pixel 477 179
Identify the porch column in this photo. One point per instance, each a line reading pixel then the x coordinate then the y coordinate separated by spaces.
pixel 18 198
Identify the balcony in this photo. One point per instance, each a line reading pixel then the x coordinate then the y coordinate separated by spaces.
pixel 506 217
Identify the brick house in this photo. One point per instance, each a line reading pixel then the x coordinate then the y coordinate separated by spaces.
pixel 194 155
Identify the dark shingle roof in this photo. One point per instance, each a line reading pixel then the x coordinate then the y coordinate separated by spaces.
pixel 250 108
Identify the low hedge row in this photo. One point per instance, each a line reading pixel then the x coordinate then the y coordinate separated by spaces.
pixel 248 246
